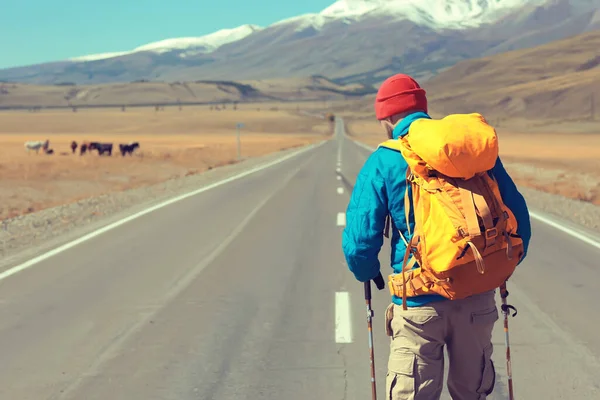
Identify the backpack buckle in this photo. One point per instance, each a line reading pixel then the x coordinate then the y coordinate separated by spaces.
pixel 491 233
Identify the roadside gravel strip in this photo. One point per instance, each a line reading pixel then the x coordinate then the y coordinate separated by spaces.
pixel 26 236
pixel 576 211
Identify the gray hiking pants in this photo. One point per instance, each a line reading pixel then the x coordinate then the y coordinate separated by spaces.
pixel 418 336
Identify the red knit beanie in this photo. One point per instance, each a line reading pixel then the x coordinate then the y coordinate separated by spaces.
pixel 397 94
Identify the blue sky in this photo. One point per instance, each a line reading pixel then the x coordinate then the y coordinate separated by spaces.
pixel 35 31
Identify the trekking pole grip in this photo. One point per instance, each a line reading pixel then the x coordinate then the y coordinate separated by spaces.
pixel 368 290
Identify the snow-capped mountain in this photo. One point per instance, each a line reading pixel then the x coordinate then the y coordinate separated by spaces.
pixel 435 14
pixel 194 45
pixel 349 41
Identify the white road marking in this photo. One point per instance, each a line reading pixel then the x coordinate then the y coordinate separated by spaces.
pixel 338 169
pixel 340 190
pixel 341 219
pixel 565 229
pixel 91 235
pixel 339 178
pixel 343 326
pixel 584 238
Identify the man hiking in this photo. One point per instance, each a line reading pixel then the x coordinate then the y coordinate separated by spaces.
pixel 442 189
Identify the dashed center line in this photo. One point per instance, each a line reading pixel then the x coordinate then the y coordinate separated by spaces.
pixel 343 325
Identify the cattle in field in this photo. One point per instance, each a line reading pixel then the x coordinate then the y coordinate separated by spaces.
pixel 101 148
pixel 37 146
pixel 128 148
pixel 83 148
pixel 73 146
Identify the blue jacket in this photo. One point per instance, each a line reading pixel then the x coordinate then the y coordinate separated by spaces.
pixel 379 191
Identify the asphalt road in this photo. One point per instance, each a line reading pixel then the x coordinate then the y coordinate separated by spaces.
pixel 241 292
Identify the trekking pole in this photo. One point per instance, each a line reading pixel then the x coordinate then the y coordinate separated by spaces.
pixel 370 326
pixel 506 310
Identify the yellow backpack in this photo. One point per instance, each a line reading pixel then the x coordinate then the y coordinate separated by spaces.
pixel 464 238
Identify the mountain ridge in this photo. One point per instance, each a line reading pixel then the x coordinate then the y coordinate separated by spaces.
pixel 14 96
pixel 363 43
pixel 474 11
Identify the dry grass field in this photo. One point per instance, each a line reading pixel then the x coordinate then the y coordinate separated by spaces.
pixel 173 144
pixel 559 163
pixel 556 162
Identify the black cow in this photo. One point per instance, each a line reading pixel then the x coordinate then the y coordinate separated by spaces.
pixel 101 147
pixel 128 148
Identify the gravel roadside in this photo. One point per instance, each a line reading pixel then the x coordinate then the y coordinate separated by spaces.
pixel 27 236
pixel 580 212
pixel 576 211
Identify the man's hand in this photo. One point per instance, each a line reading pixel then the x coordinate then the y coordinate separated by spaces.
pixel 379 282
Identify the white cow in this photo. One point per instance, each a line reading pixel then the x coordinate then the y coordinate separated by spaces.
pixel 37 145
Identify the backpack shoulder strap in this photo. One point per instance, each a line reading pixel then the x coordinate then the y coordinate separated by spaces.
pixel 407 203
pixel 393 144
